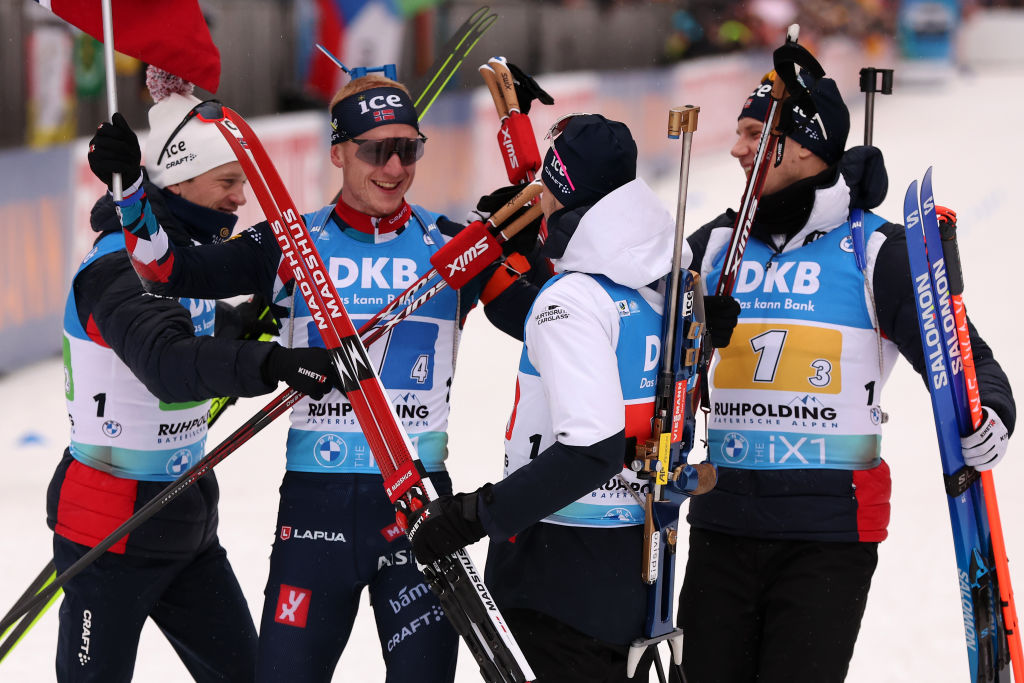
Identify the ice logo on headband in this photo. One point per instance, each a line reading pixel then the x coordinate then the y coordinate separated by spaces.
pixel 555 172
pixel 556 164
pixel 379 103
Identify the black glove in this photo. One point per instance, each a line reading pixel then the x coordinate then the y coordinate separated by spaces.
pixel 446 525
pixel 115 149
pixel 308 370
pixel 248 320
pixel 527 89
pixel 523 241
pixel 720 314
pixel 864 172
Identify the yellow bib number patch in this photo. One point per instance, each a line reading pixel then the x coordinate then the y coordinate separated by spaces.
pixel 781 358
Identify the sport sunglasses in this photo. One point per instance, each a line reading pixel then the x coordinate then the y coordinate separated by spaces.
pixel 377 152
pixel 208 110
pixel 558 127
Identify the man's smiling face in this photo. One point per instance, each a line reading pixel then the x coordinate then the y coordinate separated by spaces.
pixel 374 190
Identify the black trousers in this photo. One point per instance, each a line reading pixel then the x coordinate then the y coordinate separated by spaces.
pixel 558 653
pixel 196 602
pixel 772 610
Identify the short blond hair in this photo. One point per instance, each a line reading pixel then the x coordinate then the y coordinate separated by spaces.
pixel 364 83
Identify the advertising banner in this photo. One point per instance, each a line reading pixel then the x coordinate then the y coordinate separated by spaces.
pixel 34 274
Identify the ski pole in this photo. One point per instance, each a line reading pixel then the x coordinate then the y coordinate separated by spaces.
pixel 951 252
pixel 516 139
pixel 493 87
pixel 49 572
pixel 11 637
pixel 787 59
pixel 256 423
pixel 14 634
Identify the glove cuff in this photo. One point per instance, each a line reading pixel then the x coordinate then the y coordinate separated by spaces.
pixel 268 371
pixel 131 194
pixel 469 511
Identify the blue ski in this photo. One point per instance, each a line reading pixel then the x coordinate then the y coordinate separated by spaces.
pixel 986 645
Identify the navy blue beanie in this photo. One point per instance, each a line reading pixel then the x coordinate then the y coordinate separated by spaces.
pixel 824 133
pixel 590 158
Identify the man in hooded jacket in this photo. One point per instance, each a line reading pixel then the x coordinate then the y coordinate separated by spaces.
pixel 566 531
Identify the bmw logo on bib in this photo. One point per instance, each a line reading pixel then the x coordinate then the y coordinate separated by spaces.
pixel 734 447
pixel 179 463
pixel 619 514
pixel 330 450
pixel 112 428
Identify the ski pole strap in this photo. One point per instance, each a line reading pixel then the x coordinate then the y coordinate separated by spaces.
pixel 508 272
pixel 857 236
pixel 788 60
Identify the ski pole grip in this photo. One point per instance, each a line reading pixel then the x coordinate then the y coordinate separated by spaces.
pixel 506 81
pixel 491 81
pixel 525 196
pixel 788 58
pixel 951 254
pixel 510 231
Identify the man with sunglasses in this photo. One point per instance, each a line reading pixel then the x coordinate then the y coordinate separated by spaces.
pixel 336 531
pixel 783 549
pixel 138 372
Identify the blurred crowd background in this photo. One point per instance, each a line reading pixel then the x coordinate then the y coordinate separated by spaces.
pixel 53 83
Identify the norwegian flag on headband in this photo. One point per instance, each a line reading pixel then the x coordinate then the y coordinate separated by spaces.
pixel 384 115
pixel 170 34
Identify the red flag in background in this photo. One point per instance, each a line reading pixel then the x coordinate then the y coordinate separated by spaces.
pixel 170 34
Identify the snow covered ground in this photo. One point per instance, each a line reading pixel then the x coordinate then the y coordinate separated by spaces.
pixel 968 129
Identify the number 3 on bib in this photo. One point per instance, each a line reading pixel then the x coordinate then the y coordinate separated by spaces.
pixel 788 357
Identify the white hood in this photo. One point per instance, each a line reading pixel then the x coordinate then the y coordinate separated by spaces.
pixel 627 236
